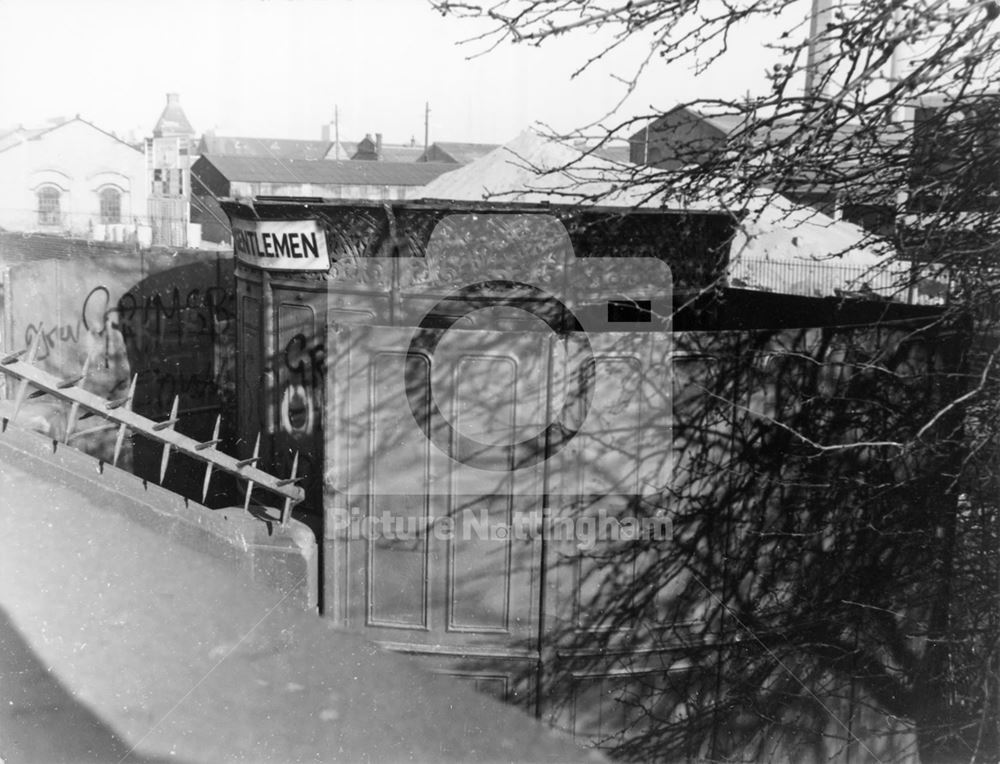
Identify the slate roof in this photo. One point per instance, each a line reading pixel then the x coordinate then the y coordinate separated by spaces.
pixel 404 153
pixel 283 148
pixel 326 172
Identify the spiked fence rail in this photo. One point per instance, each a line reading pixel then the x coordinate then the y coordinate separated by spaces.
pixel 20 366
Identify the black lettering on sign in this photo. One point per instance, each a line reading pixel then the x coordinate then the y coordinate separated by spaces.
pixel 309 245
pixel 292 245
pixel 245 242
pixel 281 248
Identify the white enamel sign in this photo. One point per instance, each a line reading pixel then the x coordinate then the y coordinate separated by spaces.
pixel 281 245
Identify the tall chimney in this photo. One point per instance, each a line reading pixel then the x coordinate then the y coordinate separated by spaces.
pixel 819 63
pixel 378 145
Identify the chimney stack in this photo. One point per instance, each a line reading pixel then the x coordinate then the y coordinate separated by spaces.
pixel 378 145
pixel 819 63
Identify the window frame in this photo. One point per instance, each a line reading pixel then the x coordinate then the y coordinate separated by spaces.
pixel 102 193
pixel 49 215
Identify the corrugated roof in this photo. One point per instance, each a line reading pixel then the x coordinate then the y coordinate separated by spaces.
pixel 283 148
pixel 326 172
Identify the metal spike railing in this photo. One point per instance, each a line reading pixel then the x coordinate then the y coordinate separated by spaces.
pixel 20 366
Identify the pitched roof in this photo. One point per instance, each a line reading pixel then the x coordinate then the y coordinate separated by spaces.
pixel 34 134
pixel 173 120
pixel 774 228
pixel 404 153
pixel 16 135
pixel 459 152
pixel 727 124
pixel 612 149
pixel 341 150
pixel 282 148
pixel 325 171
pixel 534 168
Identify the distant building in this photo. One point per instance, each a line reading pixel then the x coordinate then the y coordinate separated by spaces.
pixel 373 149
pixel 215 177
pixel 328 147
pixel 72 179
pixel 341 150
pixel 277 148
pixel 168 155
pixel 456 153
pixel 683 136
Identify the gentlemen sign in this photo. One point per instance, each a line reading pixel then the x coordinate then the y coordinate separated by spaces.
pixel 281 245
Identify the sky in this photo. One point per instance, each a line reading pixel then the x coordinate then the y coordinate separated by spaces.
pixel 278 68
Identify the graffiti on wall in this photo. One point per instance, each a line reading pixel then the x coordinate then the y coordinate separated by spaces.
pixel 298 410
pixel 168 319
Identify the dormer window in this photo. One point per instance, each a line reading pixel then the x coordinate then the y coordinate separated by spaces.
pixel 111 206
pixel 49 209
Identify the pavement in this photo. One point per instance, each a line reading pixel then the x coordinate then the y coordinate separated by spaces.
pixel 119 643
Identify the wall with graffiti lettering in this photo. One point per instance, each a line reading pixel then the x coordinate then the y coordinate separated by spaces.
pixel 166 317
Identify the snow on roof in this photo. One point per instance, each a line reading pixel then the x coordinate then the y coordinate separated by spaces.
pixel 532 169
pixel 787 248
pixel 824 254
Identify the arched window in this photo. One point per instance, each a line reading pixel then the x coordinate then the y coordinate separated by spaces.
pixel 111 206
pixel 49 212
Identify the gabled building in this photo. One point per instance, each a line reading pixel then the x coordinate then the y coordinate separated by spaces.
pixel 341 150
pixel 217 177
pixel 684 136
pixel 936 136
pixel 680 137
pixel 374 150
pixel 73 178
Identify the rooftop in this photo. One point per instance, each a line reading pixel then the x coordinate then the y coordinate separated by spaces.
pixel 173 120
pixel 325 171
pixel 460 152
pixel 282 148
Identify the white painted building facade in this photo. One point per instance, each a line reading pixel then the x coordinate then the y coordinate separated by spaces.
pixel 74 179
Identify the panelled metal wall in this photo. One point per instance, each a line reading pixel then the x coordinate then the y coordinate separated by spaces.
pixel 327 368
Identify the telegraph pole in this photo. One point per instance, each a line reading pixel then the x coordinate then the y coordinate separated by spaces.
pixel 427 125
